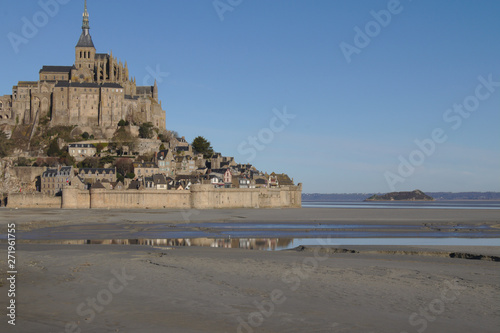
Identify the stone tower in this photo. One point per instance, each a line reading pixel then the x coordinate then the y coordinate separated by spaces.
pixel 84 53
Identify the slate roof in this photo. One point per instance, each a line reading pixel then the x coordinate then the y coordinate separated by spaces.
pixel 98 185
pixel 101 171
pixel 65 171
pixel 77 84
pixel 111 85
pixel 85 40
pixel 144 90
pixel 144 165
pixel 159 179
pixel 56 69
pixel 134 185
pixel 87 85
pixel 162 154
pixel 81 145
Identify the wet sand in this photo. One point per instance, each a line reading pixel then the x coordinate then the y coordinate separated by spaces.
pixel 30 219
pixel 100 288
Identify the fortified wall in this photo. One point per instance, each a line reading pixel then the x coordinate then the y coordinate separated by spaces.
pixel 199 197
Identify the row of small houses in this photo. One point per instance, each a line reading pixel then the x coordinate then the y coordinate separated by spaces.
pixel 171 162
pixel 54 180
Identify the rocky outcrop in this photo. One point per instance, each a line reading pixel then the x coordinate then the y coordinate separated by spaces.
pixel 416 195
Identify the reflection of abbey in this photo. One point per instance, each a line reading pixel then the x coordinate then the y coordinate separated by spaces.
pixel 96 92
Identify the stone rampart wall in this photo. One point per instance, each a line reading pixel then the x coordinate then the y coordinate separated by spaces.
pixel 199 197
pixel 33 200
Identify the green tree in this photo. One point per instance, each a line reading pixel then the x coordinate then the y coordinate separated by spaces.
pixel 122 123
pixel 124 165
pixel 66 159
pixel 85 135
pixel 203 146
pixel 121 138
pixel 105 160
pixel 89 162
pixel 53 150
pixel 99 147
pixel 146 130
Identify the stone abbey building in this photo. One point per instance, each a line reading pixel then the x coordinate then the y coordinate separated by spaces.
pixel 95 93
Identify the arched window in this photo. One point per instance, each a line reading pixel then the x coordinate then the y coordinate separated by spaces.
pixel 1 105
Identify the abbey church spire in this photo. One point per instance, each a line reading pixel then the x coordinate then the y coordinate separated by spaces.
pixel 84 53
pixel 85 39
pixel 85 25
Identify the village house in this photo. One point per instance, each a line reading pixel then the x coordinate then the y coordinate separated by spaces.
pixel 80 151
pixel 93 175
pixel 217 180
pixel 228 176
pixel 145 169
pixel 160 182
pixel 261 183
pixel 273 182
pixel 166 162
pixel 185 165
pixel 245 182
pixel 53 180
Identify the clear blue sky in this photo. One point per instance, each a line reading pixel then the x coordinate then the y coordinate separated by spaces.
pixel 353 121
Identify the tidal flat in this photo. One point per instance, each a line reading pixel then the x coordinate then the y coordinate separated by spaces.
pixel 174 287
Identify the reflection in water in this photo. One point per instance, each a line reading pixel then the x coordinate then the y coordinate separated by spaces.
pixel 271 244
pixel 238 243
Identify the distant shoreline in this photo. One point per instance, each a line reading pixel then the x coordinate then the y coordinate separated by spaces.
pixel 440 200
pixel 438 196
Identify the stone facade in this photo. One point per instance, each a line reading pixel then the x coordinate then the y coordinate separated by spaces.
pixel 81 150
pixel 53 180
pixel 95 92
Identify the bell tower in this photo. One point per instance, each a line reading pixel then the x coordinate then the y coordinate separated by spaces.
pixel 84 53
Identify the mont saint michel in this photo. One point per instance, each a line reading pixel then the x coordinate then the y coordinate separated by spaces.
pixel 87 136
pixel 94 93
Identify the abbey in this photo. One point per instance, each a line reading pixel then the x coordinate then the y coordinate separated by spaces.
pixel 95 93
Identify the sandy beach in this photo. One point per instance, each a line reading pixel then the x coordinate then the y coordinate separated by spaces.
pixel 120 288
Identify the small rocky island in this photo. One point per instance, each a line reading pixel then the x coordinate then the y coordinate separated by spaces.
pixel 416 195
